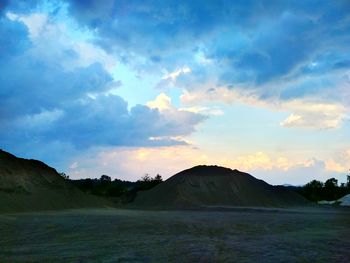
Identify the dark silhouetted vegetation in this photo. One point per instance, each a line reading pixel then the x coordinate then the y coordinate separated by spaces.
pixel 125 191
pixel 64 175
pixel 330 190
pixel 117 190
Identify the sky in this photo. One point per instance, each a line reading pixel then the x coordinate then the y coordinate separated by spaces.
pixel 126 88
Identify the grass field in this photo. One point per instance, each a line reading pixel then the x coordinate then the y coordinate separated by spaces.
pixel 113 235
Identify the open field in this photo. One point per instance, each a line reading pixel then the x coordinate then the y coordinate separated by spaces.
pixel 113 235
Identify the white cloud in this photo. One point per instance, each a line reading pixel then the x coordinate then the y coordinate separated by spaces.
pixel 161 102
pixel 34 22
pixel 258 160
pixel 214 111
pixel 332 165
pixel 174 115
pixel 316 115
pixel 89 54
pixel 207 94
pixel 341 164
pixel 52 40
pixel 173 75
pixel 292 120
pixel 74 165
pixel 305 112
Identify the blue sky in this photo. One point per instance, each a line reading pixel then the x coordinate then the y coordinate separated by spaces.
pixel 132 87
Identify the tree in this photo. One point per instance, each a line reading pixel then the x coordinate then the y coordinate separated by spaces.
pixel 330 189
pixel 331 183
pixel 314 184
pixel 105 178
pixel 146 178
pixel 312 190
pixel 64 175
pixel 158 178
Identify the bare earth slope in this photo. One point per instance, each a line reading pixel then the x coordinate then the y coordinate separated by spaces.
pixel 29 185
pixel 206 186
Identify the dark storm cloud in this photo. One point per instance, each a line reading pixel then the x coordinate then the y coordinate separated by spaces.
pixel 247 44
pixel 29 86
pixel 43 102
pixel 107 121
pixel 252 42
pixel 104 121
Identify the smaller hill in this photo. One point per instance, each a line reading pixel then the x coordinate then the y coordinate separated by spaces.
pixel 31 185
pixel 345 200
pixel 207 186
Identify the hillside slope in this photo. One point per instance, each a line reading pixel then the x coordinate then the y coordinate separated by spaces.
pixel 205 186
pixel 30 185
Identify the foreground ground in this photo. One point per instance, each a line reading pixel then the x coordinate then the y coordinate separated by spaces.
pixel 111 235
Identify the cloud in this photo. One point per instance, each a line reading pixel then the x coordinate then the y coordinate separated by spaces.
pixel 57 71
pixel 13 38
pixel 332 165
pixel 255 41
pixel 300 175
pixel 20 6
pixel 162 102
pixel 305 112
pixel 340 163
pixel 51 41
pixel 127 24
pixel 277 53
pixel 120 163
pixel 209 94
pixel 173 75
pixel 34 22
pixel 213 111
pixel 103 121
pixel 49 90
pixel 277 169
pixel 258 160
pixel 55 90
pixel 249 44
pixel 34 76
pixel 315 115
pixel 274 49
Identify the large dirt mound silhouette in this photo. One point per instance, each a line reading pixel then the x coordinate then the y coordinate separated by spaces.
pixel 30 185
pixel 206 186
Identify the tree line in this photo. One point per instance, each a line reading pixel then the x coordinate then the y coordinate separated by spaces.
pixel 118 190
pixel 329 190
pixel 125 191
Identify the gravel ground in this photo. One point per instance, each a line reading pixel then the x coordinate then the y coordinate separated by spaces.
pixel 236 235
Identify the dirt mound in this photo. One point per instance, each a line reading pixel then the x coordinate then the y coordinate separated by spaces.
pixel 30 185
pixel 205 186
pixel 345 200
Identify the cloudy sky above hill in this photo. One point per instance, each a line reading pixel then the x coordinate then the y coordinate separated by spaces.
pixel 126 88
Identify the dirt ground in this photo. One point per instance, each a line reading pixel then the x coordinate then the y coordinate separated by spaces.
pixel 116 235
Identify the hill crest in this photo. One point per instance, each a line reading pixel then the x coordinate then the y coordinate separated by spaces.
pixel 204 186
pixel 31 185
